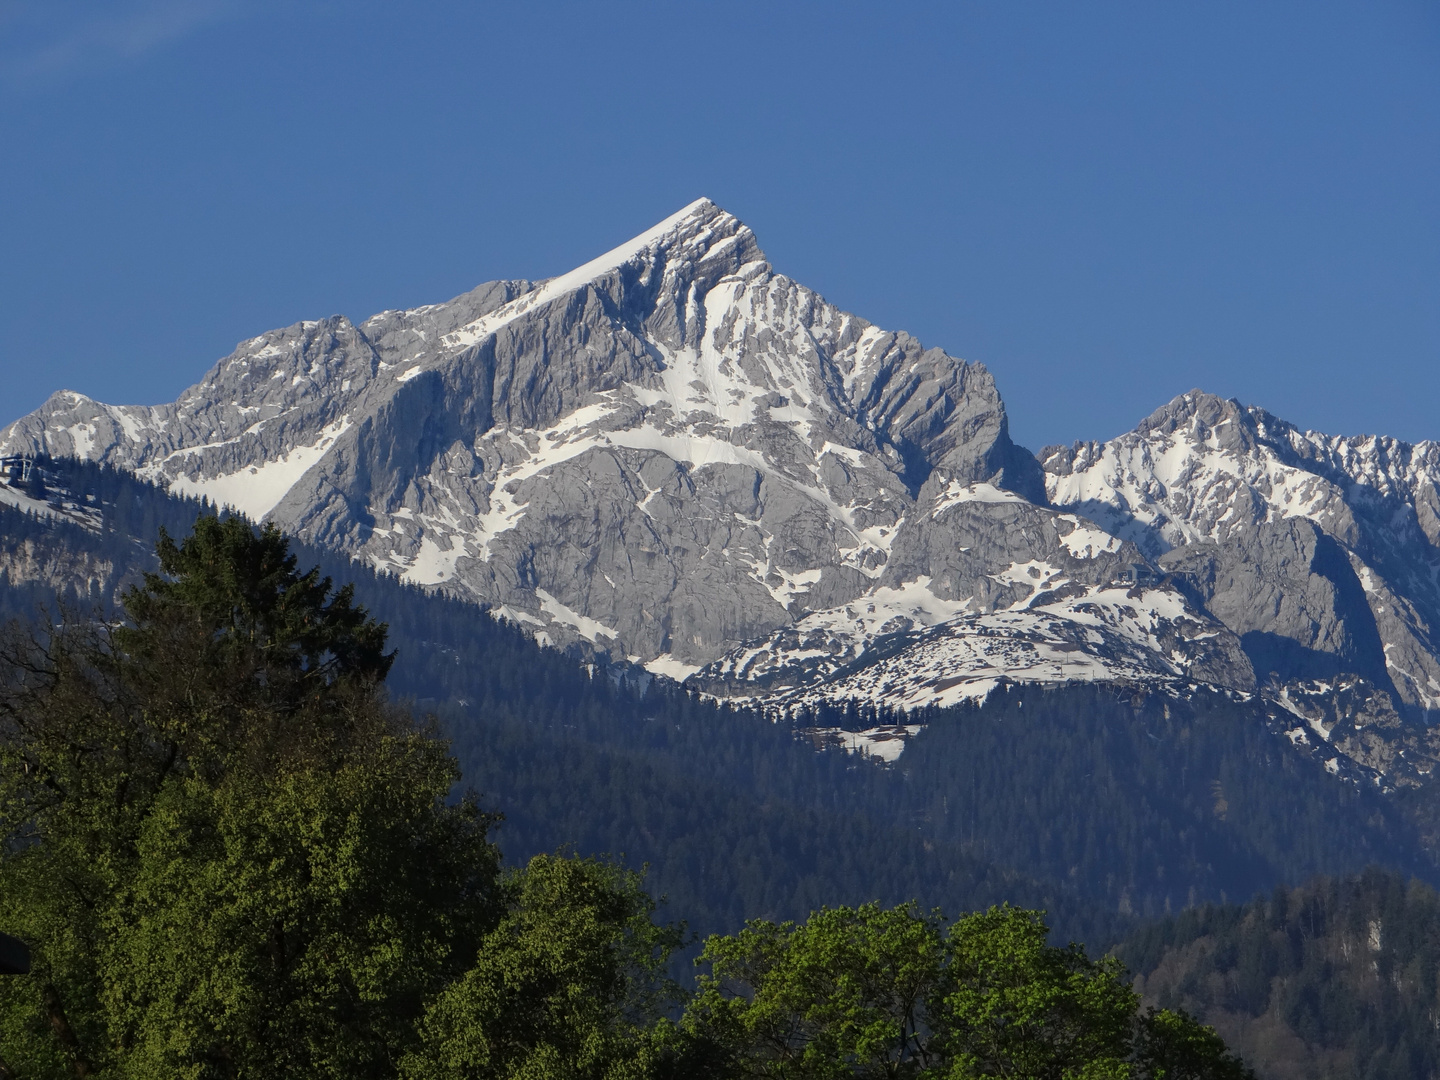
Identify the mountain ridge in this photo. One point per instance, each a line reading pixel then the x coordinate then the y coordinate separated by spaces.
pixel 677 457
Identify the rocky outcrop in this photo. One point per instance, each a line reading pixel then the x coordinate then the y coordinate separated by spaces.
pixel 1352 729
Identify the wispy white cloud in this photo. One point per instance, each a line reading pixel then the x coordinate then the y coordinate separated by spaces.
pixel 43 41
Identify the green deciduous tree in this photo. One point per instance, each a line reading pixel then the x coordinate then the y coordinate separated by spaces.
pixel 844 994
pixel 565 988
pixel 1014 1005
pixel 296 924
pixel 232 856
pixel 1170 1045
pixel 235 858
pixel 876 993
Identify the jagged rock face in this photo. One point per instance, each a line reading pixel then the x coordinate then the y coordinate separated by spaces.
pixel 27 563
pixel 983 586
pixel 1322 553
pixel 1353 730
pixel 674 455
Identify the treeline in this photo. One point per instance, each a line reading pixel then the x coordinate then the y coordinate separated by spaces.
pixel 1336 979
pixel 649 771
pixel 233 856
pixel 719 852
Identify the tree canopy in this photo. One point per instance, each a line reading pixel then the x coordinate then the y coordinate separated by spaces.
pixel 893 993
pixel 232 855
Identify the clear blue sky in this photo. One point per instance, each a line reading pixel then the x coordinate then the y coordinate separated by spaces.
pixel 1106 203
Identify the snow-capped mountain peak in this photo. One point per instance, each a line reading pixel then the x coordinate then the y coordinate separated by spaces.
pixel 675 455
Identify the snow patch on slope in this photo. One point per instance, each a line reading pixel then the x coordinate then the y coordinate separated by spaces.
pixel 583 625
pixel 256 490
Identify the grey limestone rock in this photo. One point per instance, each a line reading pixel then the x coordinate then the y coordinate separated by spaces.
pixel 1352 728
pixel 675 456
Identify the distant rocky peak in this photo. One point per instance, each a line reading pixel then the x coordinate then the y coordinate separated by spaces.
pixel 318 358
pixel 1199 450
pixel 1322 552
pixel 1196 410
pixel 676 455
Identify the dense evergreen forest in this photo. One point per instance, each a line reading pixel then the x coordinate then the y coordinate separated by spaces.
pixel 1094 803
pixel 1100 806
pixel 1338 979
pixel 600 761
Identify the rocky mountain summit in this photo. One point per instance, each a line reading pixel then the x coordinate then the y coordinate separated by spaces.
pixel 1321 553
pixel 677 457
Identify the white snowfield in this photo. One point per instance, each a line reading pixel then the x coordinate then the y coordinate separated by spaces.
pixel 18 498
pixel 254 490
pixel 1057 634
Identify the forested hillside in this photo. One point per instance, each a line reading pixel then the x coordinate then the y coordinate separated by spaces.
pixel 1339 978
pixel 1149 802
pixel 229 852
pixel 1098 805
pixel 47 559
